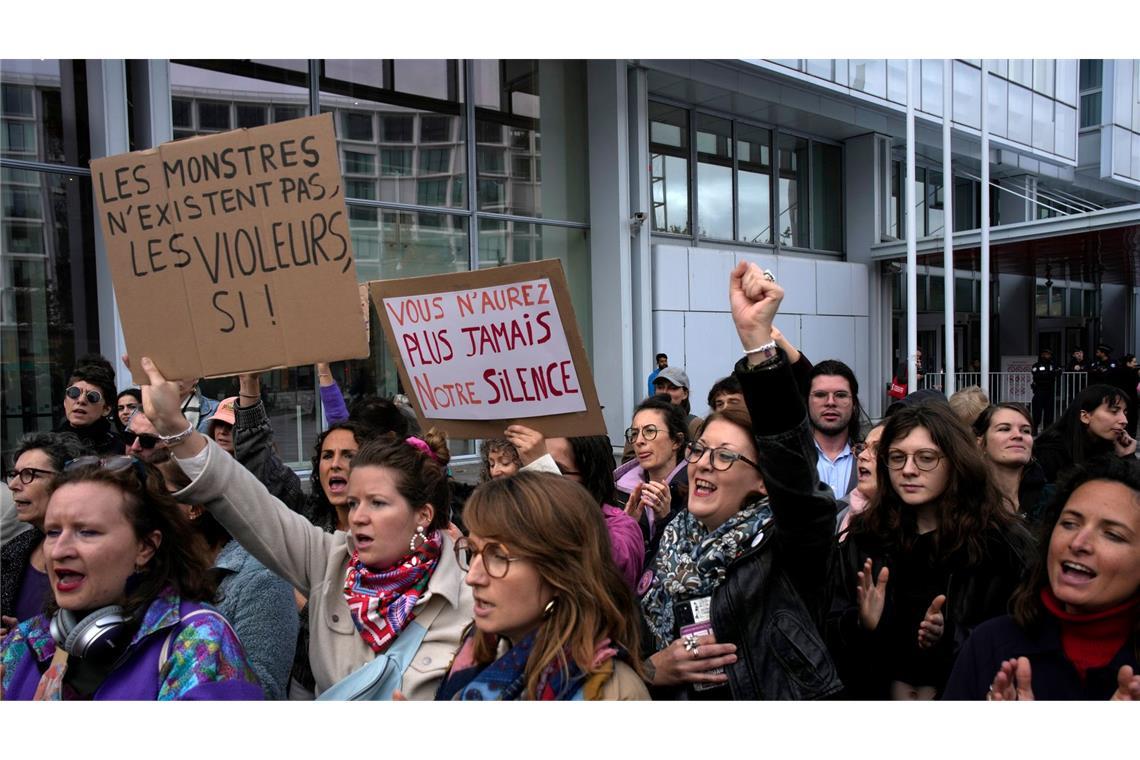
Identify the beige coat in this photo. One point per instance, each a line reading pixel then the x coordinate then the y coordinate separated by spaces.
pixel 316 563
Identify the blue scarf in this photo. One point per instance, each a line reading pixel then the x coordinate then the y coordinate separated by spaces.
pixel 505 678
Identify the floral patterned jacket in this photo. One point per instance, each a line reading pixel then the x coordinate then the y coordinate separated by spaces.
pixel 182 650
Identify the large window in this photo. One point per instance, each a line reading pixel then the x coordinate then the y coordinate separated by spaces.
pixel 752 184
pixel 1091 80
pixel 48 298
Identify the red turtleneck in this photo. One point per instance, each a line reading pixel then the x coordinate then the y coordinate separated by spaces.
pixel 1092 639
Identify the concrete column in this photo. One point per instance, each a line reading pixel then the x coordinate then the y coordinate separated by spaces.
pixel 610 267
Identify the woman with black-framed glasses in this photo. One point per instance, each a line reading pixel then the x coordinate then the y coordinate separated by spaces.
pixel 24 586
pixel 652 487
pixel 734 599
pixel 553 618
pixel 933 555
pixel 87 405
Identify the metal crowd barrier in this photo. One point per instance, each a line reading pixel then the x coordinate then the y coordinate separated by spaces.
pixel 1014 386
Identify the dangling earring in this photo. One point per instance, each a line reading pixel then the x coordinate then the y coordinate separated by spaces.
pixel 548 610
pixel 418 534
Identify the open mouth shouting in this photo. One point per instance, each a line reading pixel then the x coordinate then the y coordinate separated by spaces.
pixel 68 580
pixel 703 488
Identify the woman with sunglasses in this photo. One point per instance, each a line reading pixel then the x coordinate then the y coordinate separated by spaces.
pixel 87 405
pixel 129 617
pixel 1073 631
pixel 933 555
pixel 386 587
pixel 24 583
pixel 738 585
pixel 652 487
pixel 553 619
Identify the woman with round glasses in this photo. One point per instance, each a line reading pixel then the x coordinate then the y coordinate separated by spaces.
pixel 24 583
pixel 737 589
pixel 87 405
pixel 1073 631
pixel 129 618
pixel 386 592
pixel 653 485
pixel 553 618
pixel 933 555
pixel 1005 435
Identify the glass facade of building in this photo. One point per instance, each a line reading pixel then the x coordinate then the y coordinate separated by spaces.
pixel 411 166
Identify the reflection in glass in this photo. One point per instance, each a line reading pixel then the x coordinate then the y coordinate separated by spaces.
pixel 669 167
pixel 932 197
pixel 967 95
pixel 792 222
pixel 754 183
pixel 404 151
pixel 514 100
pixel 48 312
pixel 714 177
pixel 932 87
pixel 1020 114
pixel 36 124
pixel 869 75
pixel 827 197
pixel 1043 127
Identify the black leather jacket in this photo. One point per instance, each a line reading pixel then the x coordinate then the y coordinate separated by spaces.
pixel 772 603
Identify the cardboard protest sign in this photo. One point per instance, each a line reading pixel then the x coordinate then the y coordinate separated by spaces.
pixel 231 253
pixel 481 350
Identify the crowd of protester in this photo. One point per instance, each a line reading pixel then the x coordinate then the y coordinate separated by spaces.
pixel 783 547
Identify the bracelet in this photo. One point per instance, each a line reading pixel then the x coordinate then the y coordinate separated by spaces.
pixel 766 349
pixel 173 440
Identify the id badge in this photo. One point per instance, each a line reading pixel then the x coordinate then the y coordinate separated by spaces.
pixel 694 617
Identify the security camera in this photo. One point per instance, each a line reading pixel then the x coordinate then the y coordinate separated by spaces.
pixel 636 221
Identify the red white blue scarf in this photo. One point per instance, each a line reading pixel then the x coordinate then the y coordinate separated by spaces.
pixel 382 603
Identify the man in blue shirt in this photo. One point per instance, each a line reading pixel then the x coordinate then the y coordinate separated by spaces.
pixel 662 363
pixel 834 412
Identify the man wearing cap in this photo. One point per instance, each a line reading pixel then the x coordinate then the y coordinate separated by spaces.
pixel 662 363
pixel 1045 374
pixel 1103 367
pixel 674 383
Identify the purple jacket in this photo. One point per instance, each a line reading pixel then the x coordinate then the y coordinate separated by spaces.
pixel 204 661
pixel 626 544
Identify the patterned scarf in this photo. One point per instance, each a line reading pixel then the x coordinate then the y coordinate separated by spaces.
pixel 692 562
pixel 505 678
pixel 382 602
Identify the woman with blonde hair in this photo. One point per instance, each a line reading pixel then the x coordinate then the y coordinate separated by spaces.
pixel 553 618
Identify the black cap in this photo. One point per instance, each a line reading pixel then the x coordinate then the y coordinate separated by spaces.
pixel 1104 347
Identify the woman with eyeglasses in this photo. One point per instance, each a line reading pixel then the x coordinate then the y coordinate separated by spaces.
pixel 653 486
pixel 385 593
pixel 553 619
pixel 933 555
pixel 87 405
pixel 1073 631
pixel 737 589
pixel 129 618
pixel 24 583
pixel 1005 435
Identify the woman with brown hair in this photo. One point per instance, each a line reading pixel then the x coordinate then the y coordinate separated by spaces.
pixel 1074 627
pixel 386 589
pixel 934 554
pixel 130 583
pixel 553 618
pixel 1005 435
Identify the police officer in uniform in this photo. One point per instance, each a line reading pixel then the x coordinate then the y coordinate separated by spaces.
pixel 1045 374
